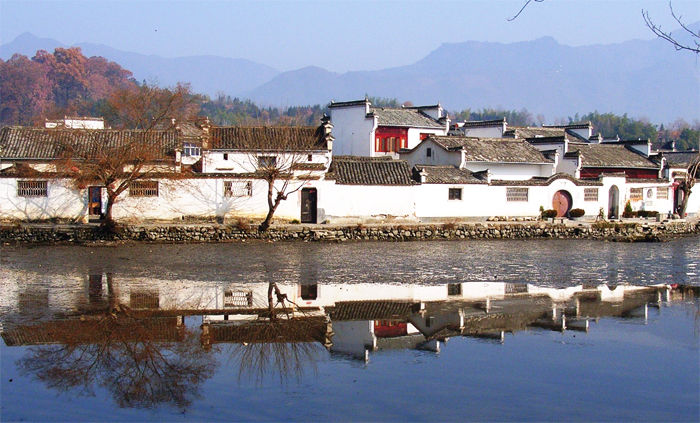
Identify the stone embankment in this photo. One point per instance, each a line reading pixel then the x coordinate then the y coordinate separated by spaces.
pixel 163 233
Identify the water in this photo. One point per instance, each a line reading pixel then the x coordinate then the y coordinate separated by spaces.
pixel 490 331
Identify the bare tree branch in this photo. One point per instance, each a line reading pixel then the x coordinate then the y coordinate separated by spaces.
pixel 668 36
pixel 523 8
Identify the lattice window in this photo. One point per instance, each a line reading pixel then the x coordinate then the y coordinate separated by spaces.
pixel 238 299
pixel 590 194
pixel 238 188
pixel 636 194
pixel 662 193
pixel 516 288
pixel 32 189
pixel 454 194
pixel 517 194
pixel 143 189
pixel 144 299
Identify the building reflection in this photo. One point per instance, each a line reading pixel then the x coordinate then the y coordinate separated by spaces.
pixel 129 334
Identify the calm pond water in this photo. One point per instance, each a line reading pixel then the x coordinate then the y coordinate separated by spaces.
pixel 428 331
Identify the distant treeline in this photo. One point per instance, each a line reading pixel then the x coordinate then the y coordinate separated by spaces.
pixel 66 83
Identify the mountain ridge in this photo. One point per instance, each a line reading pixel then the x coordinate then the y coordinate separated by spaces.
pixel 641 78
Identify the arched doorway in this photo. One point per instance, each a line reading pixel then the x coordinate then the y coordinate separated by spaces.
pixel 562 203
pixel 614 202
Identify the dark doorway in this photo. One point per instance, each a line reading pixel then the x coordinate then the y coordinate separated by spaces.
pixel 95 202
pixel 614 203
pixel 561 203
pixel 308 205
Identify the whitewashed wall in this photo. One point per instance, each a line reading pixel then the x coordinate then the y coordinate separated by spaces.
pixel 204 198
pixel 63 201
pixel 223 161
pixel 367 203
pixel 353 131
pixel 483 132
pixel 438 155
pixel 513 171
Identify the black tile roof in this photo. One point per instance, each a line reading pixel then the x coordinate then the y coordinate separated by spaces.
pixel 610 155
pixel 445 175
pixel 548 181
pixel 272 138
pixel 404 117
pixel 494 122
pixel 679 159
pixel 493 150
pixel 18 142
pixel 370 310
pixel 351 170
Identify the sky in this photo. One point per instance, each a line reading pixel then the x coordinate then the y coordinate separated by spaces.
pixel 339 36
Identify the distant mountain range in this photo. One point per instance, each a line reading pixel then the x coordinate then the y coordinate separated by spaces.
pixel 641 78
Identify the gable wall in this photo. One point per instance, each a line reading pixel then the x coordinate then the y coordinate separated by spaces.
pixel 353 131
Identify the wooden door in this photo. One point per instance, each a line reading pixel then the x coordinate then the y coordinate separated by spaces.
pixel 95 201
pixel 308 205
pixel 561 203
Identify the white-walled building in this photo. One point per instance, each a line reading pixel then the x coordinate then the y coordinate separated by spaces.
pixel 363 130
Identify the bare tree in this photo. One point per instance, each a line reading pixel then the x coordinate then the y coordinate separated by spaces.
pixel 279 156
pixel 692 45
pixel 687 181
pixel 118 159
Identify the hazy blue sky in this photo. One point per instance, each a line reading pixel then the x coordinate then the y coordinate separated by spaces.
pixel 338 36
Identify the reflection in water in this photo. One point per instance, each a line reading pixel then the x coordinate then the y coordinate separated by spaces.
pixel 154 341
pixel 142 362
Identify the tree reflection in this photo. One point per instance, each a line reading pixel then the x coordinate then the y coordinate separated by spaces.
pixel 142 362
pixel 282 340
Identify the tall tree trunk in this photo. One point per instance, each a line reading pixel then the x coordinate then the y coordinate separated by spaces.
pixel 271 205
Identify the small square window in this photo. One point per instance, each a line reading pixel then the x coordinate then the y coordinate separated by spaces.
pixel 636 194
pixel 310 158
pixel 454 194
pixel 662 193
pixel 225 156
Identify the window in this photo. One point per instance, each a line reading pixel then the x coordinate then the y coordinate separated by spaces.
pixel 143 189
pixel 590 194
pixel 238 188
pixel 454 194
pixel 32 189
pixel 429 152
pixel 267 162
pixel 636 194
pixel 516 194
pixel 309 292
pixel 662 193
pixel 192 150
pixel 389 144
pixel 454 289
pixel 310 158
pixel 225 156
pixel 238 299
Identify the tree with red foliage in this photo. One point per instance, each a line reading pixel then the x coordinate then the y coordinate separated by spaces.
pixel 25 91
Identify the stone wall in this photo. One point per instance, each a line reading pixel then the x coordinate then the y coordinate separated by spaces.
pixel 231 233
